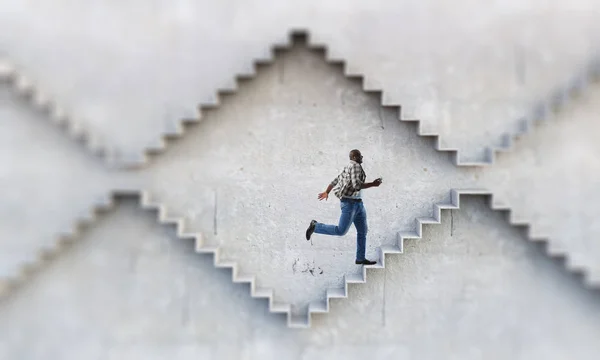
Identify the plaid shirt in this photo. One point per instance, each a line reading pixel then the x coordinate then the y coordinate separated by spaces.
pixel 349 181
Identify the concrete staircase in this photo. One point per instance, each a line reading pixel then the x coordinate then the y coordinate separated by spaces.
pixel 49 187
pixel 202 246
pixel 508 57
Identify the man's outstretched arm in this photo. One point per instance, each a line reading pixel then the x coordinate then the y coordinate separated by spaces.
pixel 367 185
pixel 332 184
pixel 329 188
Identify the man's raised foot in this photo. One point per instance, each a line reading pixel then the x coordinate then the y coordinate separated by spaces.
pixel 311 229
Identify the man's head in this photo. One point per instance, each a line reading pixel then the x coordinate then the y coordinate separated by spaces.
pixel 356 156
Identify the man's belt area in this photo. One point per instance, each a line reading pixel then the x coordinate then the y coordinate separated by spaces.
pixel 345 199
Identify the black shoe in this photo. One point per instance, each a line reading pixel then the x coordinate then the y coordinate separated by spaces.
pixel 365 262
pixel 311 229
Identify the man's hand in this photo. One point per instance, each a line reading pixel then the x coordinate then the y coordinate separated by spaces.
pixel 377 182
pixel 323 195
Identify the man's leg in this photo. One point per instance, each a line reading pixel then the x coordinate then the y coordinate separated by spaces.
pixel 346 218
pixel 360 222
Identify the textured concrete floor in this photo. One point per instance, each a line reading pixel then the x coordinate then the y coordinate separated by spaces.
pixel 247 174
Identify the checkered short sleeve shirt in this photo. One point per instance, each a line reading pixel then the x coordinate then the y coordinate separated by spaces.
pixel 349 181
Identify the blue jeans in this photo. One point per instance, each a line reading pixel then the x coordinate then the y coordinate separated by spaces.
pixel 352 212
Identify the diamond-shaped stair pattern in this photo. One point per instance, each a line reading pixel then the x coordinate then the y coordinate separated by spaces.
pixel 237 182
pixel 550 181
pixel 48 188
pixel 250 150
pixel 231 175
pixel 297 60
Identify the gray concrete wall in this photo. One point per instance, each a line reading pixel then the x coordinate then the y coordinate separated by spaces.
pixel 473 288
pixel 468 70
pixel 246 175
pixel 47 182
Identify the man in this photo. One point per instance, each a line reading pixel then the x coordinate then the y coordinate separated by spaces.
pixel 349 185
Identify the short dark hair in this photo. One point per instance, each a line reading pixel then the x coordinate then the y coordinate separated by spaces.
pixel 354 152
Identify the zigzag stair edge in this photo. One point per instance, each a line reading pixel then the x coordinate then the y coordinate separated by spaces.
pixel 293 321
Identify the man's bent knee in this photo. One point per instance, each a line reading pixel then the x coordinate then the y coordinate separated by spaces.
pixel 342 231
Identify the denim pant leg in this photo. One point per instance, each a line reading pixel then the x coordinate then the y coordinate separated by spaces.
pixel 346 219
pixel 360 222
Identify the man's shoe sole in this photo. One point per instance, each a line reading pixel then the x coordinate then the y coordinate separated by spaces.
pixel 365 262
pixel 311 229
